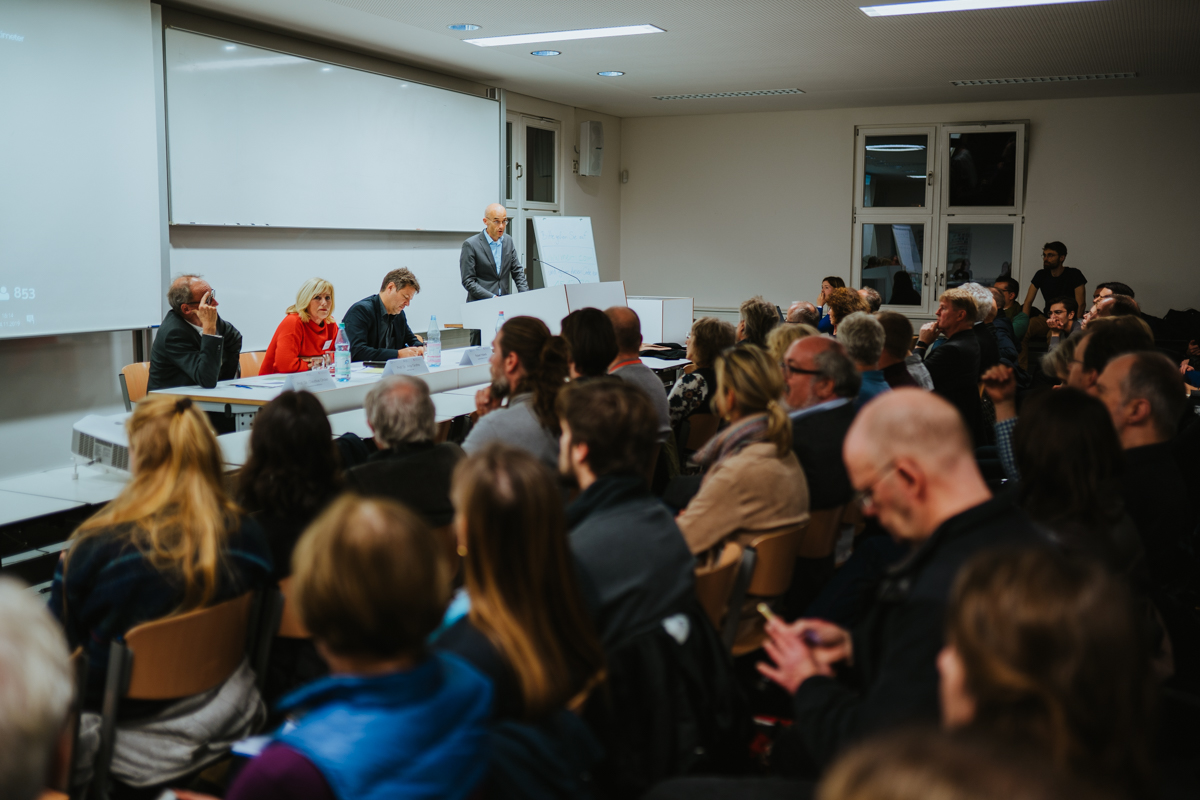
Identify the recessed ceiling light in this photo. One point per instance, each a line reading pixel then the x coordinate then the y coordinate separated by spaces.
pixel 546 53
pixel 564 36
pixel 463 26
pixel 610 73
pixel 231 47
pixel 934 6
pixel 326 69
pixel 895 148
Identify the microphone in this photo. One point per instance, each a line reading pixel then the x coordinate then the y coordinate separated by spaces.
pixel 563 271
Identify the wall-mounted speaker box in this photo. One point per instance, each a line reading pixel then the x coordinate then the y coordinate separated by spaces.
pixel 591 148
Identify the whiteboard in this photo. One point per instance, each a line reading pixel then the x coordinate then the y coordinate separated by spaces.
pixel 566 250
pixel 256 137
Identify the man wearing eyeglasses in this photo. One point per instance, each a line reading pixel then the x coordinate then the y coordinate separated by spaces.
pixel 194 346
pixel 910 459
pixel 489 259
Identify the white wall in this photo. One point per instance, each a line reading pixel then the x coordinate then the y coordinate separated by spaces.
pixel 726 206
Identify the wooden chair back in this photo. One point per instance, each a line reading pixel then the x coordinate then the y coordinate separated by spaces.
pixel 702 427
pixel 251 363
pixel 188 654
pixel 137 377
pixel 776 561
pixel 820 537
pixel 290 626
pixel 714 583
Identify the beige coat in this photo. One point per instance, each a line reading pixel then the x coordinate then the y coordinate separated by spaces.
pixel 745 494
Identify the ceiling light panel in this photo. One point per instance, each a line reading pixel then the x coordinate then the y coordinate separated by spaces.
pixel 713 95
pixel 1097 76
pixel 564 36
pixel 936 6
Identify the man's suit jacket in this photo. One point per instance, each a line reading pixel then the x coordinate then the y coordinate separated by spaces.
pixel 182 357
pixel 480 277
pixel 954 368
pixel 817 440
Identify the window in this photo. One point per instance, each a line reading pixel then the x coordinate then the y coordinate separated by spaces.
pixel 935 207
pixel 532 154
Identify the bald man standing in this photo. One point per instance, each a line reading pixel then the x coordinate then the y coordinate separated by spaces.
pixel 489 259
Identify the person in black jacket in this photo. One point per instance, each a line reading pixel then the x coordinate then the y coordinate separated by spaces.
pixel 376 325
pixel 910 458
pixel 954 365
pixel 194 346
pixel 408 466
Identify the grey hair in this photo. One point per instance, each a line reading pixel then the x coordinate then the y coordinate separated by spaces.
pixel 401 411
pixel 873 298
pixel 35 690
pixel 181 290
pixel 1153 377
pixel 833 363
pixel 862 336
pixel 1057 362
pixel 983 299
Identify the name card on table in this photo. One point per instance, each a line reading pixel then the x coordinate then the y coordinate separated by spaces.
pixel 318 380
pixel 475 356
pixel 413 365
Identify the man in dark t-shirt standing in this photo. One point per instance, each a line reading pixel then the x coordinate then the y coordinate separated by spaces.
pixel 1056 280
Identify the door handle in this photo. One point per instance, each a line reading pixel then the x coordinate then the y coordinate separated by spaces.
pixel 520 172
pixel 929 179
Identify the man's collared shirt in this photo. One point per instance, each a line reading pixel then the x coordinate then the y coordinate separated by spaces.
pixel 497 247
pixel 200 330
pixel 828 405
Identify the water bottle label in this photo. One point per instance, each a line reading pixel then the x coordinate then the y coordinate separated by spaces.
pixel 433 353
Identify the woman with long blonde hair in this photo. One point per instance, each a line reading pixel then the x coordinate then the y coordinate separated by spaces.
pixel 172 541
pixel 307 332
pixel 753 482
pixel 527 628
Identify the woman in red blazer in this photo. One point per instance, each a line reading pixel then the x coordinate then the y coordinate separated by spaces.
pixel 306 333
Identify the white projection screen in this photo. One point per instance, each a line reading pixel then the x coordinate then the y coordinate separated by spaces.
pixel 257 137
pixel 79 193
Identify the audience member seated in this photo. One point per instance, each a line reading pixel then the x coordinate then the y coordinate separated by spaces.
pixel 781 337
pixel 408 466
pixel 1007 344
pixel 954 366
pixel 628 365
pixel 1060 317
pixel 291 472
pixel 305 337
pixel 528 368
pixel 36 687
pixel 910 457
pixel 172 541
pixel 194 346
pixel 842 303
pixel 392 719
pixel 1013 312
pixel 528 628
pixel 820 384
pixel 759 318
pixel 1109 288
pixel 985 331
pixel 1055 280
pixel 895 357
pixel 591 341
pixel 862 336
pixel 694 390
pixel 753 482
pixel 824 323
pixel 377 326
pixel 1056 364
pixel 1117 305
pixel 872 297
pixel 1045 653
pixel 802 312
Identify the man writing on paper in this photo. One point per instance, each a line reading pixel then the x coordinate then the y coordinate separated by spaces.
pixel 376 325
pixel 489 259
pixel 194 346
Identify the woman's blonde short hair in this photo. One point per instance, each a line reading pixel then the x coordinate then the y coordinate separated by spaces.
pixel 370 578
pixel 308 290
pixel 757 385
pixel 781 337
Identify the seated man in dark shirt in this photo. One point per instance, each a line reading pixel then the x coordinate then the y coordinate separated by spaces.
pixel 954 366
pixel 821 382
pixel 408 467
pixel 194 346
pixel 376 325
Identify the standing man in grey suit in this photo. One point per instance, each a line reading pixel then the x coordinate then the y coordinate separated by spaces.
pixel 488 259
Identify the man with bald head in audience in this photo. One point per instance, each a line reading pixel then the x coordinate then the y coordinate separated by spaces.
pixel 803 312
pixel 489 259
pixel 910 458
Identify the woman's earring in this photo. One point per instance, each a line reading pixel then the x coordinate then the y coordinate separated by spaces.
pixel 462 550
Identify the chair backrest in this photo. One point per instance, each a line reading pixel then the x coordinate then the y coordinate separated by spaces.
pixel 776 561
pixel 714 582
pixel 702 427
pixel 251 362
pixel 821 536
pixel 290 626
pixel 190 653
pixel 137 376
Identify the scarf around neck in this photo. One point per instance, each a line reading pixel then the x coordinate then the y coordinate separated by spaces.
pixel 750 430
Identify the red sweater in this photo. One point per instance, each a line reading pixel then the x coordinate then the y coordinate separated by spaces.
pixel 294 340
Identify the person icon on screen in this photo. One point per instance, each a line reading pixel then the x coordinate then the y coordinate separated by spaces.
pixel 3 292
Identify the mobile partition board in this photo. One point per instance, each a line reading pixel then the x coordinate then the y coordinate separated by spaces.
pixel 664 319
pixel 549 305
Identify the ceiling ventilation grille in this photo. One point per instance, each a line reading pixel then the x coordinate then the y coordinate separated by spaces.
pixel 712 95
pixel 1099 76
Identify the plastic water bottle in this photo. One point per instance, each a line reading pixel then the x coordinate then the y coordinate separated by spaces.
pixel 499 321
pixel 341 356
pixel 433 343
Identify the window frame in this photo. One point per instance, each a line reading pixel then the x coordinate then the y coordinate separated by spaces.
pixel 860 164
pixel 1021 129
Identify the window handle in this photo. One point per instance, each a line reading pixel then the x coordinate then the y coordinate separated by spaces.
pixel 926 280
pixel 520 172
pixel 929 179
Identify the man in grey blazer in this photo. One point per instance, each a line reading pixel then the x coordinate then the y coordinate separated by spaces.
pixel 488 259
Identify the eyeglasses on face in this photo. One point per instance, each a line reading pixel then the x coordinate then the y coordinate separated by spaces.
pixel 212 299
pixel 865 498
pixel 789 370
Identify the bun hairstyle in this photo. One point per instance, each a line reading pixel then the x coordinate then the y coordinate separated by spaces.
pixel 545 359
pixel 757 385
